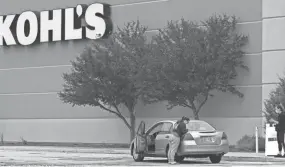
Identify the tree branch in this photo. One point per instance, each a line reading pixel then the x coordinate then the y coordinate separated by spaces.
pixel 203 102
pixel 116 113
pixel 193 106
pixel 187 105
pixel 117 109
pixel 194 109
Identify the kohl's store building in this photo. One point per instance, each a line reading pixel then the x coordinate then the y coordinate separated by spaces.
pixel 31 76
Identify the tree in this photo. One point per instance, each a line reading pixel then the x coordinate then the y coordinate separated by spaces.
pixel 276 97
pixel 194 60
pixel 109 73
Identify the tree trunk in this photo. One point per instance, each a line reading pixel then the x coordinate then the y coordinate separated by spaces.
pixel 196 115
pixel 133 125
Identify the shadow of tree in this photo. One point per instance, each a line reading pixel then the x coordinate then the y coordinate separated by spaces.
pixel 187 161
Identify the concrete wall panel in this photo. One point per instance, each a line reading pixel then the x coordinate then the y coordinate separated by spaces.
pixel 93 131
pixel 273 65
pixel 273 8
pixel 273 34
pixel 49 106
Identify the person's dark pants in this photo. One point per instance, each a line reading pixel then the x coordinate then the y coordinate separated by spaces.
pixel 280 140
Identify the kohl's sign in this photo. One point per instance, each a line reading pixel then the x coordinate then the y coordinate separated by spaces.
pixel 80 22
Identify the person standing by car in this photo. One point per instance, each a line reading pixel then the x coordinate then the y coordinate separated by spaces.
pixel 179 130
pixel 280 129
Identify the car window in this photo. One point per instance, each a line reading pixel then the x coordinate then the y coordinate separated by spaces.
pixel 166 127
pixel 200 126
pixel 154 129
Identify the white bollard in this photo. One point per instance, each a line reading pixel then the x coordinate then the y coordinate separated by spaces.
pixel 256 140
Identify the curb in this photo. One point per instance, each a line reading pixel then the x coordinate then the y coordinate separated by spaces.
pixel 248 159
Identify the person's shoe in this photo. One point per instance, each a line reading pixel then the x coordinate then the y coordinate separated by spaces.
pixel 173 163
pixel 278 155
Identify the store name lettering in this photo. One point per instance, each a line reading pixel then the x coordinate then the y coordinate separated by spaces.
pixel 80 22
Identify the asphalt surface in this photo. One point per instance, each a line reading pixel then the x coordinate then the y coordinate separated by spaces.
pixel 57 156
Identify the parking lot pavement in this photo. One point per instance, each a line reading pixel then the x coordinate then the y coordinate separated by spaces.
pixel 59 156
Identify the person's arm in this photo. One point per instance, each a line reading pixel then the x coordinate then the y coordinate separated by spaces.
pixel 282 122
pixel 183 128
pixel 282 106
pixel 279 118
pixel 277 126
pixel 272 120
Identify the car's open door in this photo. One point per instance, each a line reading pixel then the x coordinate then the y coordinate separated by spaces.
pixel 141 140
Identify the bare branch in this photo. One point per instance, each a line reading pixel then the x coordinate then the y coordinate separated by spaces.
pixel 118 114
pixel 187 105
pixel 192 104
pixel 203 102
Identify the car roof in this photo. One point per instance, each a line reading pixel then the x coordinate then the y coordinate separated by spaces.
pixel 173 121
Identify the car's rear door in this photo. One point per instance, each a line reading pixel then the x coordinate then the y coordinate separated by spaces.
pixel 162 138
pixel 140 140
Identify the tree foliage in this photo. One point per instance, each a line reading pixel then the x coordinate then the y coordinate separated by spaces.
pixel 183 65
pixel 276 96
pixel 109 73
pixel 190 61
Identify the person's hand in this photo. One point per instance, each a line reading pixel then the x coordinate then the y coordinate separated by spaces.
pixel 272 120
pixel 282 106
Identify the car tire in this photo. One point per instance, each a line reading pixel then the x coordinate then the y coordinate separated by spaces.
pixel 215 159
pixel 137 157
pixel 179 158
pixel 176 158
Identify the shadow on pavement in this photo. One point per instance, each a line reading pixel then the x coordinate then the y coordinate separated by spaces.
pixel 184 162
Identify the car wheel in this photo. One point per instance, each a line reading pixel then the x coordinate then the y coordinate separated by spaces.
pixel 138 157
pixel 215 159
pixel 176 158
pixel 179 158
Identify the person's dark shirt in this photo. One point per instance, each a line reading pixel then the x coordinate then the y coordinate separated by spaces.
pixel 281 122
pixel 181 129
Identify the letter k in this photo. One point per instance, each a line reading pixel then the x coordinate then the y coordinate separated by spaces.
pixel 5 31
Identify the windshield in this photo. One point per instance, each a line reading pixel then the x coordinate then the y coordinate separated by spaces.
pixel 199 126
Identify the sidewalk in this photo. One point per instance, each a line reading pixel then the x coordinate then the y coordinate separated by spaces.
pixel 115 151
pixel 246 154
pixel 63 156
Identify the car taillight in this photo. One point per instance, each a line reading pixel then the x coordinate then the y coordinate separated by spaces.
pixel 224 137
pixel 188 137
